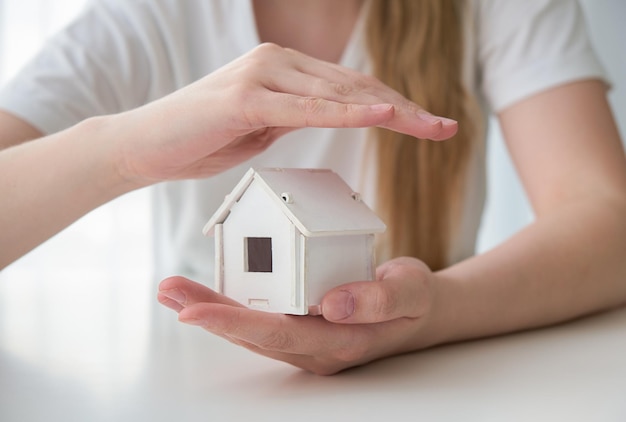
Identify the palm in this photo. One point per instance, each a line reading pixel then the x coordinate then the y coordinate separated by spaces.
pixel 236 152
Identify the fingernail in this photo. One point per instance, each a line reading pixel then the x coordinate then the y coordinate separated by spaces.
pixel 175 294
pixel 432 119
pixel 173 305
pixel 427 117
pixel 315 310
pixel 193 321
pixel 381 107
pixel 448 122
pixel 338 306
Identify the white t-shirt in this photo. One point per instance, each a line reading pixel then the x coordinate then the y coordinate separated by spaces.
pixel 120 54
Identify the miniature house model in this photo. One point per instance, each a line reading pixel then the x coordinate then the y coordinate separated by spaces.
pixel 284 237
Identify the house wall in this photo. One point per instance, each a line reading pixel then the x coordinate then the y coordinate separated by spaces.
pixel 335 260
pixel 257 215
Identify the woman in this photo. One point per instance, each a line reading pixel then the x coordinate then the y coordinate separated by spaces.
pixel 141 67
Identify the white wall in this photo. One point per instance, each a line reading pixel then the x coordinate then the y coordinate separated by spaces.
pixel 608 30
pixel 24 24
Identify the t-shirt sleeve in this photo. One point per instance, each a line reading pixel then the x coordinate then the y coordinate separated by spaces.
pixel 525 47
pixel 97 65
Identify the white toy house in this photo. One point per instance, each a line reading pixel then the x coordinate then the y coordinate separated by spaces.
pixel 284 237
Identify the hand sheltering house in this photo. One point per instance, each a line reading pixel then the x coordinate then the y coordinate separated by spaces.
pixel 284 237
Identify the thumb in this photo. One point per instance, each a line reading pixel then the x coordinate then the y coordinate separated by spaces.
pixel 403 289
pixel 398 293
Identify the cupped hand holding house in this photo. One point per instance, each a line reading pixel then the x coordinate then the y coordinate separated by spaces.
pixel 362 321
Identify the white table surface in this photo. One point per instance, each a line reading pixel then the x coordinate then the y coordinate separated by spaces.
pixel 98 351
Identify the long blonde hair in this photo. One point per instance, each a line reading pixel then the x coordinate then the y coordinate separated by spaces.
pixel 416 47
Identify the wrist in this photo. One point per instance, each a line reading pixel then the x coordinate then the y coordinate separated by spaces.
pixel 441 322
pixel 116 134
pixel 103 140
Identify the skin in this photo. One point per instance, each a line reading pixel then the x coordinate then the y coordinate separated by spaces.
pixel 568 263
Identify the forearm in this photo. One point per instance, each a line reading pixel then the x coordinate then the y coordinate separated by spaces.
pixel 49 183
pixel 566 264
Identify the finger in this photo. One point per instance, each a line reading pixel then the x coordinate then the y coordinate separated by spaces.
pixel 396 295
pixel 421 124
pixel 294 111
pixel 170 303
pixel 343 84
pixel 408 117
pixel 300 335
pixel 188 292
pixel 311 343
pixel 309 102
pixel 184 292
pixel 341 90
pixel 344 76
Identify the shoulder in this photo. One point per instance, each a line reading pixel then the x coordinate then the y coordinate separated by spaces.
pixel 162 13
pixel 509 15
pixel 525 47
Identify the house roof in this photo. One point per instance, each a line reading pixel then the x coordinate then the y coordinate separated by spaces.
pixel 317 201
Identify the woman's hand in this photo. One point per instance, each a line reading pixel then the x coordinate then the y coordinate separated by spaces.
pixel 237 111
pixel 361 321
